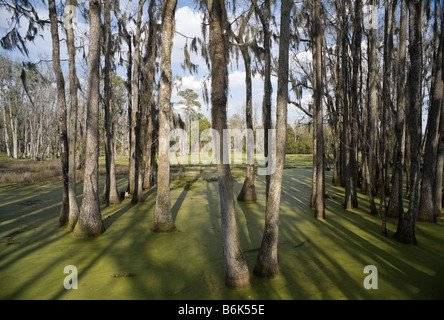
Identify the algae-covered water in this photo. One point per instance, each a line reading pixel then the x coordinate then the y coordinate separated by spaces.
pixel 318 259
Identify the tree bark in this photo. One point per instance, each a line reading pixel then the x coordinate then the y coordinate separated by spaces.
pixel 264 16
pixel 372 118
pixel 354 96
pixel 135 125
pixel 73 86
pixel 406 232
pixel 61 105
pixel 427 202
pixel 111 192
pixel 267 261
pixel 90 221
pixel 163 220
pixel 346 123
pixel 8 152
pixel 148 75
pixel 248 191
pixel 438 186
pixel 236 270
pixel 395 207
pixel 318 113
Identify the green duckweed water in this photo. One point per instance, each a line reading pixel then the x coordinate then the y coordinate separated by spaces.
pixel 318 259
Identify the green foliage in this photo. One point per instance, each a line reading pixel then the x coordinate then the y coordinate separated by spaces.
pixel 189 99
pixel 299 141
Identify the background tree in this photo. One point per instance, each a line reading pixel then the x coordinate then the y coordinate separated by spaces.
pixel 395 207
pixel 61 101
pixel 90 220
pixel 163 220
pixel 426 201
pixel 147 96
pixel 236 270
pixel 111 192
pixel 248 191
pixel 135 110
pixel 318 133
pixel 267 263
pixel 406 231
pixel 264 13
pixel 72 137
pixel 189 100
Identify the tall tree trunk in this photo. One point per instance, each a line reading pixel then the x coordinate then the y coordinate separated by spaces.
pixel 13 121
pixel 111 192
pixel 73 86
pixel 345 140
pixel 406 232
pixel 438 186
pixel 264 16
pixel 236 270
pixel 386 105
pixel 317 112
pixel 163 220
pixel 372 118
pixel 90 219
pixel 248 191
pixel 135 125
pixel 8 152
pixel 147 94
pixel 395 207
pixel 427 202
pixel 354 96
pixel 337 173
pixel 61 105
pixel 267 261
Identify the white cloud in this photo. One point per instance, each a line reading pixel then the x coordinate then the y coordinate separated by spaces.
pixel 188 23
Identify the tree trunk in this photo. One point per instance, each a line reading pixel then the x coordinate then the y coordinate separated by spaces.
pixel 236 270
pixel 133 172
pixel 438 186
pixel 317 112
pixel 8 152
pixel 346 123
pixel 354 96
pixel 395 207
pixel 90 219
pixel 267 261
pixel 372 118
pixel 73 86
pixel 386 105
pixel 148 75
pixel 111 192
pixel 61 105
pixel 264 16
pixel 427 203
pixel 163 220
pixel 406 232
pixel 248 192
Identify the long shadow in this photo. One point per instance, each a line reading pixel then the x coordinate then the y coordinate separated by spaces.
pixel 178 204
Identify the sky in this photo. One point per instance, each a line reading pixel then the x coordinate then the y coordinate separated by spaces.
pixel 188 22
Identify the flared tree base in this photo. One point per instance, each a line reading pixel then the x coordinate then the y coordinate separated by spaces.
pixel 239 282
pixel 266 271
pixel 163 227
pixel 247 195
